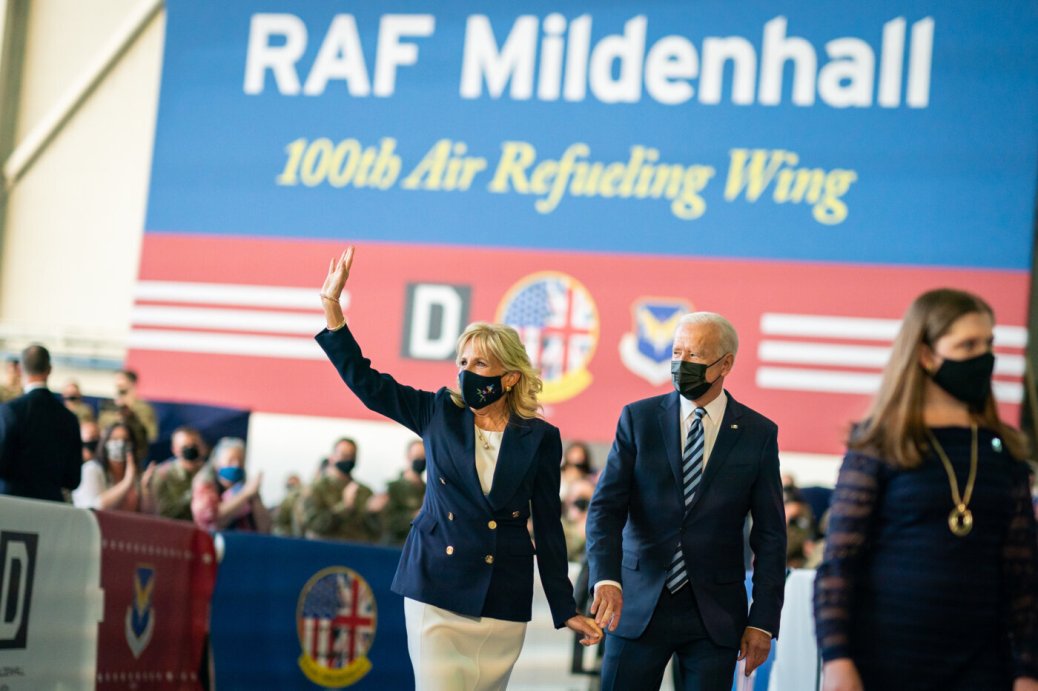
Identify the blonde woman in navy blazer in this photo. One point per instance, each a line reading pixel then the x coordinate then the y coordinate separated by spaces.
pixel 466 571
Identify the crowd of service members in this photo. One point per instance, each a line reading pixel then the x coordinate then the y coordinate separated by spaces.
pixel 210 485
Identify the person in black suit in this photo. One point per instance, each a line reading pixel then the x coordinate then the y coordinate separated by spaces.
pixel 466 571
pixel 40 448
pixel 665 526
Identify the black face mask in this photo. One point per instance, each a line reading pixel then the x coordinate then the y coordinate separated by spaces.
pixel 479 391
pixel 189 453
pixel 581 504
pixel 91 446
pixel 418 466
pixel 690 377
pixel 967 380
pixel 346 467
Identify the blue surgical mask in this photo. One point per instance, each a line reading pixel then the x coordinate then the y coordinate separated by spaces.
pixel 232 474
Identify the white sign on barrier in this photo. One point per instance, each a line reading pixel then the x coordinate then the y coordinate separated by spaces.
pixel 50 595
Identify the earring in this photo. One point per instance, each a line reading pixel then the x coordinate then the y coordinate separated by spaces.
pixel 508 388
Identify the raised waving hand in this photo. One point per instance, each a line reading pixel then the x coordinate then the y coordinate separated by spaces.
pixel 331 290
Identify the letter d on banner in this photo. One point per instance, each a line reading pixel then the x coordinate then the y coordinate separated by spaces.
pixel 435 316
pixel 17 564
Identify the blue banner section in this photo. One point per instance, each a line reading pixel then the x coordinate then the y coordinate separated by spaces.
pixel 301 614
pixel 889 132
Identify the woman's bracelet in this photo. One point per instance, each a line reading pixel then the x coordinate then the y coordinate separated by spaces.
pixel 329 298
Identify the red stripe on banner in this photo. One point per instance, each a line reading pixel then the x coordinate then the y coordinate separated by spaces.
pixel 584 403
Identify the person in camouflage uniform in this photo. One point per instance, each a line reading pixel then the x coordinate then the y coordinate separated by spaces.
pixel 284 515
pixel 126 395
pixel 404 497
pixel 11 385
pixel 335 506
pixel 168 492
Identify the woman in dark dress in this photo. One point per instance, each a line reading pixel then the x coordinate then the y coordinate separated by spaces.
pixel 928 579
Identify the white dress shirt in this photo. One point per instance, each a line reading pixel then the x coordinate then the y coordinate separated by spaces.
pixel 711 423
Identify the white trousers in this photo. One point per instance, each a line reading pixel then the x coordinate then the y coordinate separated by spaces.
pixel 453 652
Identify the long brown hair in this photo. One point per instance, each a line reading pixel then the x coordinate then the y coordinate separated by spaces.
pixel 894 428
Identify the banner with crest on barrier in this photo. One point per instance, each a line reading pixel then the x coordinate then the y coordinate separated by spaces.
pixel 158 578
pixel 291 614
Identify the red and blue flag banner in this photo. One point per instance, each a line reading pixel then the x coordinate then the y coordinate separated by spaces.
pixel 158 577
pixel 585 175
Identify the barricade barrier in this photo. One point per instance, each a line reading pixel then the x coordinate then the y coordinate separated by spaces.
pixel 113 600
pixel 288 612
pixel 158 577
pixel 50 595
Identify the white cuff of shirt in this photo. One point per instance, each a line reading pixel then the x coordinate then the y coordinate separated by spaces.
pixel 757 628
pixel 614 583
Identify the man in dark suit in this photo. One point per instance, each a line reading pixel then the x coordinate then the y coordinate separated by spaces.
pixel 40 447
pixel 665 526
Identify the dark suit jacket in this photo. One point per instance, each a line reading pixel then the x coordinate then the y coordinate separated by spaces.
pixel 467 552
pixel 40 447
pixel 637 517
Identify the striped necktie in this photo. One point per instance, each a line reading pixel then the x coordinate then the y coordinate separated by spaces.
pixel 692 474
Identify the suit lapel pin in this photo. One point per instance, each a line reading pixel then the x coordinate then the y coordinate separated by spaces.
pixel 734 426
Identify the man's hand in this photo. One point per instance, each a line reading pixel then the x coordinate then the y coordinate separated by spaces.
pixel 607 606
pixel 754 648
pixel 1025 684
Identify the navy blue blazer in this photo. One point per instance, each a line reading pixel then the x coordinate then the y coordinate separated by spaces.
pixel 468 552
pixel 637 516
pixel 40 447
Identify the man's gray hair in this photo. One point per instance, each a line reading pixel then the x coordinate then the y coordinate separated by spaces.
pixel 226 444
pixel 727 338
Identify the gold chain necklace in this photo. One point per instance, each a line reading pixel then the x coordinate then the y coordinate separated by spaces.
pixel 960 520
pixel 482 439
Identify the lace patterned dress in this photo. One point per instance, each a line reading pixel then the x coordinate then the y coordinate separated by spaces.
pixel 913 605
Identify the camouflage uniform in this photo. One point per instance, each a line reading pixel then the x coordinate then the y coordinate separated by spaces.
pixel 323 515
pixel 82 411
pixel 144 412
pixel 405 499
pixel 286 517
pixel 171 490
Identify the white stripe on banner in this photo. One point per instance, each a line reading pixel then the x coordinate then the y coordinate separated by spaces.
pixel 800 353
pixel 822 354
pixel 227 319
pixel 811 325
pixel 772 324
pixel 831 381
pixel 227 294
pixel 227 344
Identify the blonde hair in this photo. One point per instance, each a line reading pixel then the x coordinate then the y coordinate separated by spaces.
pixel 894 428
pixel 502 343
